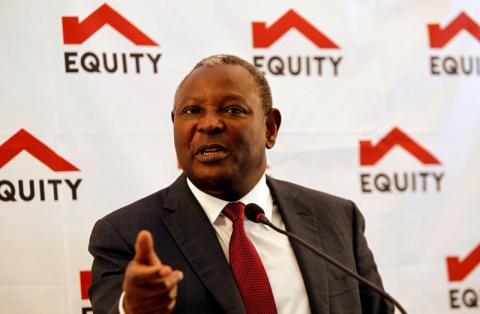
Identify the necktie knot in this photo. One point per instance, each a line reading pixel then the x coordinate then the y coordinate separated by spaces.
pixel 235 211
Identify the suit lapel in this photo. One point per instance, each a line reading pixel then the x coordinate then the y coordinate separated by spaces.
pixel 299 218
pixel 196 238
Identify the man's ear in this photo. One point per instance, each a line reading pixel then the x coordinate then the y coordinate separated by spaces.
pixel 272 123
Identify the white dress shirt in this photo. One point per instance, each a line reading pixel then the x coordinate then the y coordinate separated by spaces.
pixel 274 249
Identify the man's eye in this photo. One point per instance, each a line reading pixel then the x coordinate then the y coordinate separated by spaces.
pixel 191 110
pixel 234 110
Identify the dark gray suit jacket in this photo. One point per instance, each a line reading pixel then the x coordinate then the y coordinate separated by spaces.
pixel 185 240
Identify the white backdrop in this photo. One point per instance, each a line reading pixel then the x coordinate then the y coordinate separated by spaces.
pixel 78 141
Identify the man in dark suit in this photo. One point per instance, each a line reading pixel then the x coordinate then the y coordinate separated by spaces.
pixel 223 120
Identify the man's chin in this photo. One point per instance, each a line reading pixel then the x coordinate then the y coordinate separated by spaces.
pixel 211 179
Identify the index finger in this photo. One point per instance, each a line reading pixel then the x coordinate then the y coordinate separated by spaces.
pixel 144 251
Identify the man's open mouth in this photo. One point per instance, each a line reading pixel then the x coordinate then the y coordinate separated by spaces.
pixel 211 153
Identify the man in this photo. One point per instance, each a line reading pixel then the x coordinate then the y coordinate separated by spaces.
pixel 223 120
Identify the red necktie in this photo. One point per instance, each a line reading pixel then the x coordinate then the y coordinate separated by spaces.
pixel 247 267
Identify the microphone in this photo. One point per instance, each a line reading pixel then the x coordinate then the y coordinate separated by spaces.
pixel 256 214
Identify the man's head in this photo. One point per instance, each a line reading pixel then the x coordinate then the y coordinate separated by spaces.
pixel 223 120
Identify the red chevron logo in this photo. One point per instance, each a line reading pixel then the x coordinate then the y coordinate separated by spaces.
pixel 85 281
pixel 440 37
pixel 370 154
pixel 264 37
pixel 75 32
pixel 22 140
pixel 458 270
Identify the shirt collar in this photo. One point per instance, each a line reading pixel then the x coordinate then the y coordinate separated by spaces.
pixel 260 195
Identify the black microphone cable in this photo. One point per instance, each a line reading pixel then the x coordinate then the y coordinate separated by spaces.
pixel 256 214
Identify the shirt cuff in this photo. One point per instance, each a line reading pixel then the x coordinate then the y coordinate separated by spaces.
pixel 120 303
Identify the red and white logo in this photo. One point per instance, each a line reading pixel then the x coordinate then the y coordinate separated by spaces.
pixel 462 296
pixel 441 36
pixel 75 32
pixel 458 269
pixel 371 153
pixel 296 65
pixel 387 180
pixel 34 188
pixel 442 64
pixel 24 141
pixel 264 37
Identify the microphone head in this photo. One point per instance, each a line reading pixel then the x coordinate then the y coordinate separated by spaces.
pixel 254 212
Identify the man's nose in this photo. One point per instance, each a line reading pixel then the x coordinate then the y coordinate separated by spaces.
pixel 211 122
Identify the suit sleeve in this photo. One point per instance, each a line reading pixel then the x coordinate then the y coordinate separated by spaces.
pixel 111 255
pixel 371 301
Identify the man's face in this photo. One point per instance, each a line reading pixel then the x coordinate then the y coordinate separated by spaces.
pixel 221 130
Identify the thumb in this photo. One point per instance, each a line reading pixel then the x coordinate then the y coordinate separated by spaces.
pixel 144 251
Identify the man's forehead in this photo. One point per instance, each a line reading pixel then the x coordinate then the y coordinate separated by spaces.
pixel 225 74
pixel 226 77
